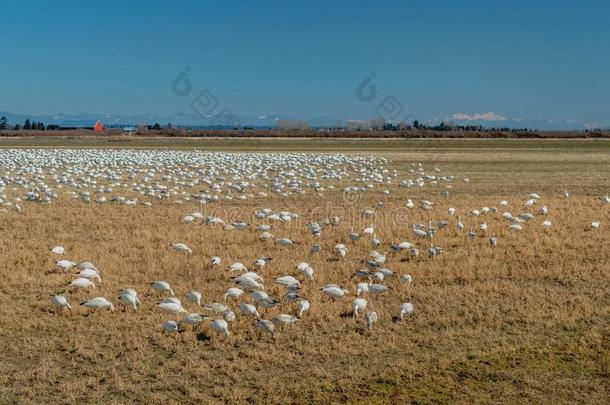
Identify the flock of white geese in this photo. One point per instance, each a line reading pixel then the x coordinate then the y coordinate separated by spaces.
pixel 145 177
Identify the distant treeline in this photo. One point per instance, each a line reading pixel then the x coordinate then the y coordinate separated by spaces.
pixel 326 134
pixel 300 129
pixel 27 125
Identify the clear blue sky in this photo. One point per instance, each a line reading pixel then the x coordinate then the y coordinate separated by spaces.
pixel 530 59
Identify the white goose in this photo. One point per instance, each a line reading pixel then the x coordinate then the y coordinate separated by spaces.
pixel 128 299
pixel 162 286
pixel 180 247
pixel 194 296
pixel 284 319
pixel 220 326
pixel 98 303
pixel 265 326
pixel 233 292
pixel 371 319
pixel 334 291
pixel 405 309
pixel 60 302
pixel 172 308
pixel 81 282
pixel 359 304
pixel 302 307
pixel 248 309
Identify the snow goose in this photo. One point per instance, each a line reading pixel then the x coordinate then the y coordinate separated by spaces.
pixel 405 309
pixel 98 303
pixel 81 282
pixel 359 304
pixel 162 286
pixel 221 326
pixel 60 302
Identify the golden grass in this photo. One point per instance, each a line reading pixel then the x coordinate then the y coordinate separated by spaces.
pixel 527 321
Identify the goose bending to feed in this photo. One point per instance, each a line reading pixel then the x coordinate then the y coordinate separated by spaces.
pixel 98 303
pixel 334 291
pixel 288 281
pixel 170 327
pixel 265 326
pixel 262 261
pixel 359 304
pixel 258 295
pixel 60 302
pixel 66 264
pixel 251 274
pixel 306 270
pixel 172 307
pixel 233 292
pixel 216 307
pixel 238 267
pixel 405 309
pixel 340 249
pixel 529 203
pixel 229 316
pixel 58 250
pixel 248 283
pixel 193 319
pixel 362 288
pixel 248 309
pixel 127 299
pixel 172 300
pixel 284 242
pixel 162 286
pixel 180 247
pixel 377 288
pixel 419 233
pixel 267 302
pixel 371 319
pixel 91 274
pixel 81 282
pixel 221 326
pixel 284 319
pixel 194 296
pixel 302 307
pixel 86 266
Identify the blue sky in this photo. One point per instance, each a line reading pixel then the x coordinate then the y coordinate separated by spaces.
pixel 518 59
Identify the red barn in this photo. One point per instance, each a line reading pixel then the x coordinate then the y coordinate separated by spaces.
pixel 98 127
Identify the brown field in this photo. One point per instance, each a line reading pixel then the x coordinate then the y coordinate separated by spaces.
pixel 526 321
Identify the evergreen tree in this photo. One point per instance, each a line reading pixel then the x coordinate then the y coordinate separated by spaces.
pixel 3 123
pixel 27 124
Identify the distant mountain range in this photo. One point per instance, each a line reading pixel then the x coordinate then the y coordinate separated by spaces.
pixel 487 120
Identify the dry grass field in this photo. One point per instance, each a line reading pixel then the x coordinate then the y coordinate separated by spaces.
pixel 525 321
